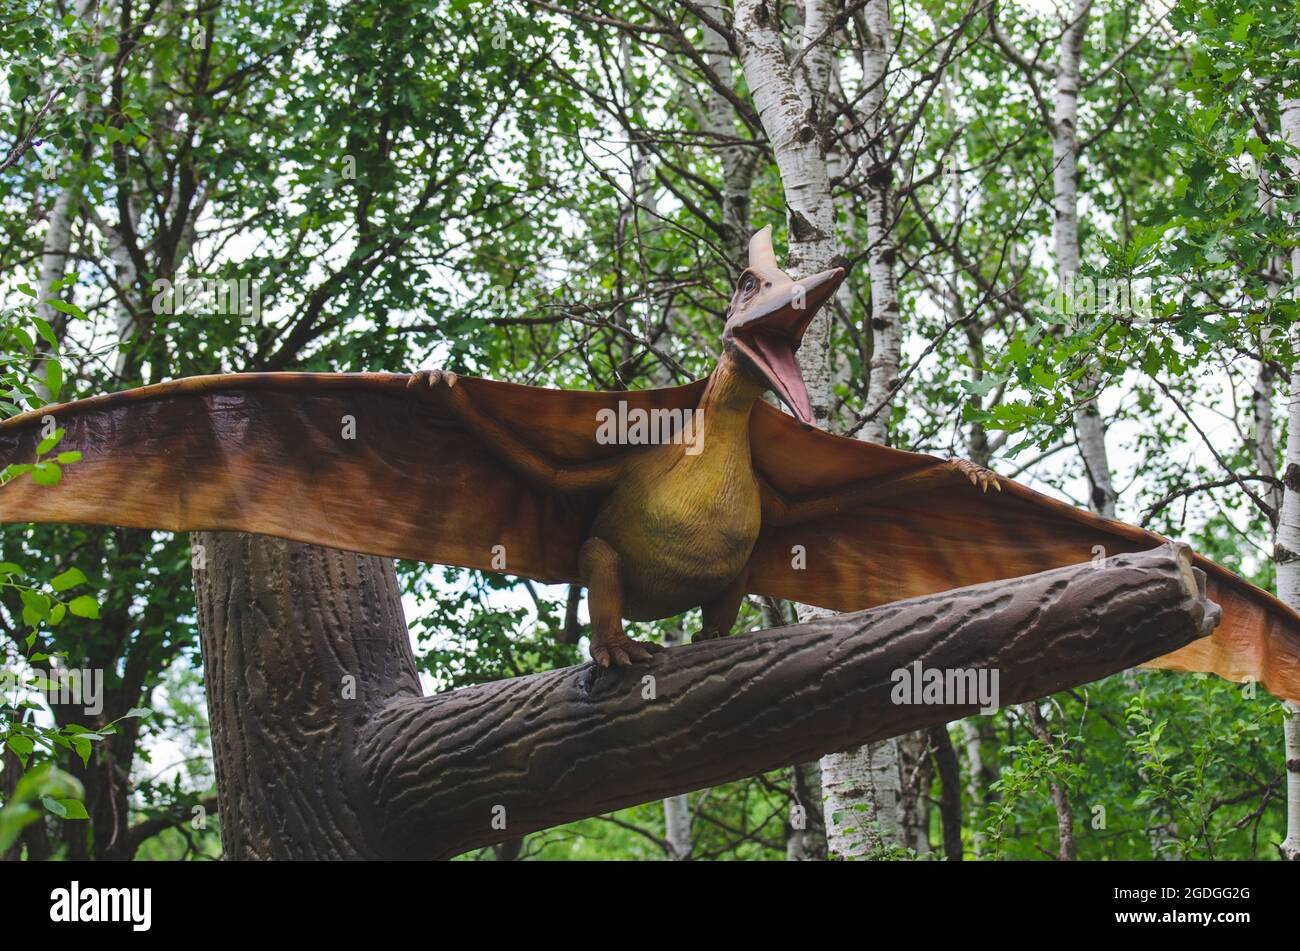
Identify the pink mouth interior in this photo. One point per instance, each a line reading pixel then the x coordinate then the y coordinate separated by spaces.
pixel 783 369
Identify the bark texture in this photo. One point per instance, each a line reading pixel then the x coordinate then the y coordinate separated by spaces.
pixel 324 748
pixel 302 648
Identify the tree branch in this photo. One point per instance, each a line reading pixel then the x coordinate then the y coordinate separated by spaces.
pixel 552 748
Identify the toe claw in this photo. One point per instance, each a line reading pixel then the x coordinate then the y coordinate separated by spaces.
pixel 624 652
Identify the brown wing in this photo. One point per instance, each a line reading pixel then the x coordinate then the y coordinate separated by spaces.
pixel 937 540
pixel 269 453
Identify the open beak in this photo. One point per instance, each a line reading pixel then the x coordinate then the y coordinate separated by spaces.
pixel 771 338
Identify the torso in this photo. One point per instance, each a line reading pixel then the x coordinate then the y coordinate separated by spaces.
pixel 684 525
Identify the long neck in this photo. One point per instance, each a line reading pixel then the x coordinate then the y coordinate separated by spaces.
pixel 727 400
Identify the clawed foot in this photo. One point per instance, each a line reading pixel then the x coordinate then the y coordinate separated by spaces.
pixel 979 477
pixel 622 651
pixel 707 634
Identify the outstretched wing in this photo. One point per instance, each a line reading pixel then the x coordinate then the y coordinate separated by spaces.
pixel 352 461
pixel 956 536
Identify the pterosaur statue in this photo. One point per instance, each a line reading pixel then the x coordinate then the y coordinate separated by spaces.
pixel 658 501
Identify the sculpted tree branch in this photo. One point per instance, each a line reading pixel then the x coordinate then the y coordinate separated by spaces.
pixel 325 749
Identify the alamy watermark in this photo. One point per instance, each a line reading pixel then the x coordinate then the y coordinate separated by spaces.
pixel 946 686
pixel 209 296
pixel 63 687
pixel 1132 299
pixel 82 903
pixel 634 426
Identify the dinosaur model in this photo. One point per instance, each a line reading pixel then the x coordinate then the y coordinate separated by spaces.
pixel 657 501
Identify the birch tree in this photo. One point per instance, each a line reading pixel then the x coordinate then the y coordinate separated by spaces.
pixel 1288 532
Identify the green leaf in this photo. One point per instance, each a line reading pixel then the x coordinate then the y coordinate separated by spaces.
pixel 55 806
pixel 138 712
pixel 46 473
pixel 84 606
pixel 54 378
pixel 64 458
pixel 73 809
pixel 46 331
pixel 49 442
pixel 39 603
pixel 63 307
pixel 68 579
pixel 22 745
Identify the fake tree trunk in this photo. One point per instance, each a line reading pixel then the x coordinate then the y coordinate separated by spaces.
pixel 324 747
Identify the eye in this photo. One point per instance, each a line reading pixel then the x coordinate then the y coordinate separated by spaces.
pixel 748 284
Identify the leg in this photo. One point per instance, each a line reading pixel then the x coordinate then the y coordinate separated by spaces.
pixel 598 565
pixel 720 613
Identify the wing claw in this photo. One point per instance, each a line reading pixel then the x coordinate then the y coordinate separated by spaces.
pixel 432 379
pixel 979 477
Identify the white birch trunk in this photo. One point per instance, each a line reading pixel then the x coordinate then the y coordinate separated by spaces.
pixel 854 784
pixel 1265 446
pixel 58 233
pixel 54 258
pixel 1263 441
pixel 738 161
pixel 54 252
pixel 807 841
pixel 862 789
pixel 677 809
pixel 789 122
pixel 886 334
pixel 862 796
pixel 1287 551
pixel 970 731
pixel 124 274
pixel 1089 428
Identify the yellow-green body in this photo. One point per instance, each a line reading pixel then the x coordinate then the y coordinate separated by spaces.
pixel 683 525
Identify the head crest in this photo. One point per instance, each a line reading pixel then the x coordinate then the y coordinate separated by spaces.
pixel 761 254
